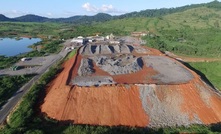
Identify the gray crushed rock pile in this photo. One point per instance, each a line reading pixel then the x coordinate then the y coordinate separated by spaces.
pixel 122 64
pixel 129 40
pixel 86 67
pixel 170 72
pixel 92 80
pixel 90 49
pixel 141 50
pixel 166 112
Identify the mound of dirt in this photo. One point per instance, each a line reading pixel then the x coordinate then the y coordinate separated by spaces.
pixel 162 92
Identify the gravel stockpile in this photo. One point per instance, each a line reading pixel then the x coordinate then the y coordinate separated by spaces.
pixel 124 49
pixel 117 48
pixel 130 40
pixel 123 64
pixel 169 71
pixel 141 50
pixel 86 67
pixel 167 112
pixel 92 80
pixel 106 49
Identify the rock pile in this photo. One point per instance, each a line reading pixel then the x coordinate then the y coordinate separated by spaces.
pixel 103 49
pixel 123 64
pixel 169 71
pixel 86 67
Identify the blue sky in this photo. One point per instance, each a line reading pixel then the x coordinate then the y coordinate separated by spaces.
pixel 67 8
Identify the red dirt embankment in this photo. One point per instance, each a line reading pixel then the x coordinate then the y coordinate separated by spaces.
pixel 107 105
pixel 132 105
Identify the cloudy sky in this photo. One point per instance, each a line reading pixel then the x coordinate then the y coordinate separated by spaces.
pixel 67 8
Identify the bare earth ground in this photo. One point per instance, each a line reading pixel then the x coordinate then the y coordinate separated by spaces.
pixel 145 100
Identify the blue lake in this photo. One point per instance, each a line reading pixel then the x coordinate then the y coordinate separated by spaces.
pixel 12 47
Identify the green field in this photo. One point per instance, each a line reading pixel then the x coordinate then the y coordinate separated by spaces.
pixel 212 70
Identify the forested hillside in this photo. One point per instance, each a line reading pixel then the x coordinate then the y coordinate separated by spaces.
pixel 195 32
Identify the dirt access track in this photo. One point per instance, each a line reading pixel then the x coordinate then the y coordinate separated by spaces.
pixel 130 85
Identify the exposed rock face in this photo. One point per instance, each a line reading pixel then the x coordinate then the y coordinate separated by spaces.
pixel 161 93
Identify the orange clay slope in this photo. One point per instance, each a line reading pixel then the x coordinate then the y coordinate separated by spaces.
pixel 142 105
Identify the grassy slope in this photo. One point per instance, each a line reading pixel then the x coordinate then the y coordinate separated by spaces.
pixel 212 71
pixel 201 36
pixel 198 18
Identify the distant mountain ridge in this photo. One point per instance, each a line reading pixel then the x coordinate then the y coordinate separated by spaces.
pixel 102 17
pixel 31 18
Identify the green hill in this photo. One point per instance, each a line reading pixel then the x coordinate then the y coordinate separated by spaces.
pixel 196 31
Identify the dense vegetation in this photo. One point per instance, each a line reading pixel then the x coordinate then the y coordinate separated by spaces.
pixel 166 11
pixel 7 61
pixel 10 84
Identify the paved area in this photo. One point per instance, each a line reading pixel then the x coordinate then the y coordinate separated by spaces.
pixel 36 65
pixel 46 63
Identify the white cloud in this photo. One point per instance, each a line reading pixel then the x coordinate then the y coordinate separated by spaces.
pixel 104 9
pixel 90 8
pixel 14 13
pixel 49 14
pixel 107 8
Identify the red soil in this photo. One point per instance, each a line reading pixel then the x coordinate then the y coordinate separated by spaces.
pixel 92 105
pixel 142 76
pixel 201 101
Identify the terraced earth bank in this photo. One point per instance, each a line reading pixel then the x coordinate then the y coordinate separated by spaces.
pixel 131 85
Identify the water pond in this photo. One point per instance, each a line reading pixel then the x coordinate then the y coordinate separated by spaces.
pixel 12 46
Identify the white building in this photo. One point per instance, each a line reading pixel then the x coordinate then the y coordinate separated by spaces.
pixel 99 38
pixel 79 39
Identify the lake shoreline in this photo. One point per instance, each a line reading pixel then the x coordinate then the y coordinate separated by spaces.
pixel 16 46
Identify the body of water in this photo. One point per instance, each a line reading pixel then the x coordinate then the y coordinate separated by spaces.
pixel 12 47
